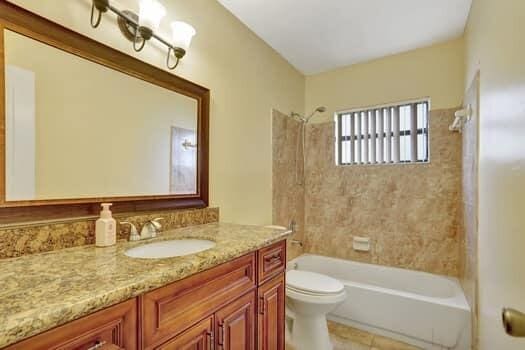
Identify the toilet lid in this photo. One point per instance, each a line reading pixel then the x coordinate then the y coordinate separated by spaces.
pixel 313 282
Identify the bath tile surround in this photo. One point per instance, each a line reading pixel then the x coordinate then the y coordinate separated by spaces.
pixel 288 195
pixel 42 237
pixel 410 212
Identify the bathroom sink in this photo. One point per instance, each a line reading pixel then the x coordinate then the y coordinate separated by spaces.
pixel 170 249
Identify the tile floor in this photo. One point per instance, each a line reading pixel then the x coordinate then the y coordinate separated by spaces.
pixel 347 338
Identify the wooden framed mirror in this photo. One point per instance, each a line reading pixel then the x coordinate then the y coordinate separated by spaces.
pixel 82 123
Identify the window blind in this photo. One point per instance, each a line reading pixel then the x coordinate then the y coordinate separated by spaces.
pixel 388 134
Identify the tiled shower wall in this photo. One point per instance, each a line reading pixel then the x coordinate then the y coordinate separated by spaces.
pixel 288 194
pixel 469 246
pixel 410 212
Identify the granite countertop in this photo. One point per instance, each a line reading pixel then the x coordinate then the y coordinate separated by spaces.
pixel 42 291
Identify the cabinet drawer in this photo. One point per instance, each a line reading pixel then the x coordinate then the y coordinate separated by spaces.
pixel 271 261
pixel 170 310
pixel 113 328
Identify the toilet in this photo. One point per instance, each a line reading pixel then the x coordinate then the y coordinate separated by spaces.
pixel 309 297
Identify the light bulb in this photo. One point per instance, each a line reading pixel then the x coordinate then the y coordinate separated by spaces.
pixel 151 13
pixel 182 34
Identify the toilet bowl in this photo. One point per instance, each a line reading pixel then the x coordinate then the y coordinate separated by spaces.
pixel 309 297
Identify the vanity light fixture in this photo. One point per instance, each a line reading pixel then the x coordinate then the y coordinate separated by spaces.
pixel 142 27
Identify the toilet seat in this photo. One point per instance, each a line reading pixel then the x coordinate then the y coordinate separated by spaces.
pixel 312 283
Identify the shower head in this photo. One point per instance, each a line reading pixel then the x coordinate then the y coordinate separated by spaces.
pixel 305 120
pixel 320 109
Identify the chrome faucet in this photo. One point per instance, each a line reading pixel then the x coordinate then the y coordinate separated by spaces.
pixel 150 229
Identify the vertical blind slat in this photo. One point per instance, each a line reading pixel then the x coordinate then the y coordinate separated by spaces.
pixel 357 117
pixel 352 137
pixel 425 123
pixel 340 137
pixel 413 132
pixel 388 139
pixel 397 144
pixel 373 131
pixel 381 135
pixel 347 144
pixel 364 117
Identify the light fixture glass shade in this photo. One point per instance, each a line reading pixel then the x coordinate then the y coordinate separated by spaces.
pixel 151 13
pixel 182 34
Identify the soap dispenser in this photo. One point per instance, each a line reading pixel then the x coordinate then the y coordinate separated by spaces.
pixel 106 227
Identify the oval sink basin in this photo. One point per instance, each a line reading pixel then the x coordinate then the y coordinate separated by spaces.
pixel 170 249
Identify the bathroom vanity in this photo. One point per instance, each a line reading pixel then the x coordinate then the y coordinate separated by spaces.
pixel 99 108
pixel 218 300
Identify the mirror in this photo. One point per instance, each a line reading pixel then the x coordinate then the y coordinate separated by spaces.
pixel 76 129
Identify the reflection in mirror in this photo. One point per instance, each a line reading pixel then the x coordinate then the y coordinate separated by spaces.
pixel 77 129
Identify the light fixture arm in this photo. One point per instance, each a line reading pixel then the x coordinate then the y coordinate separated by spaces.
pixel 101 6
pixel 139 41
pixel 140 34
pixel 178 53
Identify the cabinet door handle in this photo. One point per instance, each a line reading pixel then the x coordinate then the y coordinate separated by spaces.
pixel 212 340
pixel 272 258
pixel 221 334
pixel 98 344
pixel 261 305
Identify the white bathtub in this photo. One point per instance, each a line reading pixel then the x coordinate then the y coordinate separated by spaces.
pixel 426 310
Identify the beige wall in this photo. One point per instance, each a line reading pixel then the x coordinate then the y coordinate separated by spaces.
pixel 246 77
pixel 494 45
pixel 92 140
pixel 435 72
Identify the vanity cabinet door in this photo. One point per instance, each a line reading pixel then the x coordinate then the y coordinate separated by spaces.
pixel 236 324
pixel 113 328
pixel 271 314
pixel 198 337
pixel 170 310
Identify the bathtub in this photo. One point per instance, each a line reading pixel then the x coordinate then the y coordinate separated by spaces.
pixel 422 309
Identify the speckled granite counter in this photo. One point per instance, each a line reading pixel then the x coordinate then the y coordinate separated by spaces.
pixel 41 291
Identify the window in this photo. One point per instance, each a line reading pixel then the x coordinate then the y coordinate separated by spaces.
pixel 383 135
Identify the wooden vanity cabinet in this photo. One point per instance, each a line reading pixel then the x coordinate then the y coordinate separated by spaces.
pixel 113 328
pixel 238 305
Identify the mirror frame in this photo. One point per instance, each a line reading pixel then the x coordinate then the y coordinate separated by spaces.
pixel 21 21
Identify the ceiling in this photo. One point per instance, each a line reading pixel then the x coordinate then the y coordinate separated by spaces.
pixel 320 35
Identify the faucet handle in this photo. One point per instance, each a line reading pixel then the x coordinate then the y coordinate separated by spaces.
pixel 133 233
pixel 155 222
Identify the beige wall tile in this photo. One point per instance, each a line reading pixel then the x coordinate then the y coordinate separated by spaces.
pixel 287 192
pixel 410 212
